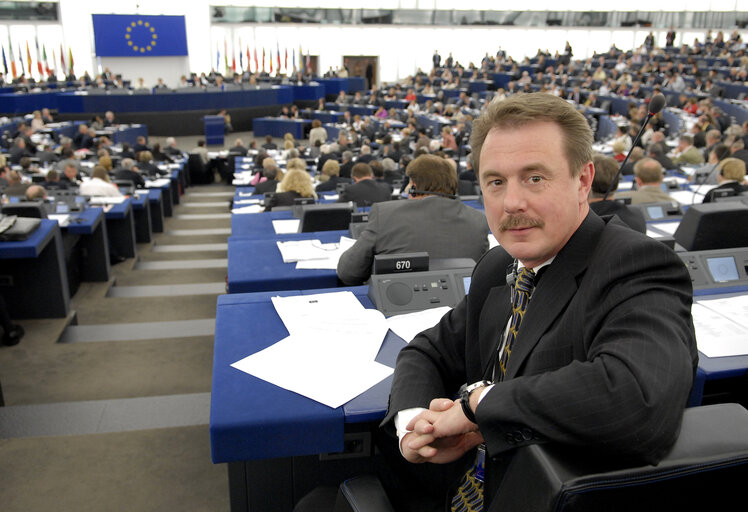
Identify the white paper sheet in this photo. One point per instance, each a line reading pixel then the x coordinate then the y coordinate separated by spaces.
pixel 161 182
pixel 666 227
pixel 716 334
pixel 253 208
pixel 330 259
pixel 695 196
pixel 407 326
pixel 301 250
pixel 63 219
pixel 247 201
pixel 107 200
pixel 315 368
pixel 286 226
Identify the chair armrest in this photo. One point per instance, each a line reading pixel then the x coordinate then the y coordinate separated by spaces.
pixel 362 494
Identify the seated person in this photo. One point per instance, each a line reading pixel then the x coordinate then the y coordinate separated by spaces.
pixel 271 183
pixel 15 185
pixel 36 193
pixel 648 176
pixel 269 144
pixel 605 172
pixel 128 171
pixel 432 220
pixel 295 184
pixel 730 177
pixel 146 165
pixel 99 184
pixel 330 178
pixel 686 152
pixel 52 181
pixel 364 191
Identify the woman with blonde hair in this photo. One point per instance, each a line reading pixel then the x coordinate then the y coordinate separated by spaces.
pixel 295 184
pixel 330 178
pixel 99 184
pixel 296 163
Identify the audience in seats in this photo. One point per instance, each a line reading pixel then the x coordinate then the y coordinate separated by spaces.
pixel 295 184
pixel 606 169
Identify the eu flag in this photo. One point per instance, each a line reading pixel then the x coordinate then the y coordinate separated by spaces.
pixel 139 36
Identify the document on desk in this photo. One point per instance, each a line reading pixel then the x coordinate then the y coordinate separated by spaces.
pixel 286 226
pixel 665 227
pixel 330 351
pixel 161 182
pixel 298 250
pixel 719 333
pixel 407 326
pixel 63 219
pixel 252 208
pixel 330 258
pixel 247 201
pixel 106 200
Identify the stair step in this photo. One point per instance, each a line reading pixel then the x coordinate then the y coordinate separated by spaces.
pixel 101 416
pixel 138 331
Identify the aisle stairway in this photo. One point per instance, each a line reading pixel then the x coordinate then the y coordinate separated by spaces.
pixel 114 416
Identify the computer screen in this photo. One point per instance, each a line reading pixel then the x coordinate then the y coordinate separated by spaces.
pixel 655 212
pixel 723 269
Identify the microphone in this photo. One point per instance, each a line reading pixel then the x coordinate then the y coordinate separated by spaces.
pixel 656 104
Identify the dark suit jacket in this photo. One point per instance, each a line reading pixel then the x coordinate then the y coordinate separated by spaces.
pixel 604 359
pixel 732 185
pixel 266 186
pixel 331 184
pixel 281 199
pixel 366 193
pixel 445 228
pixel 126 174
pixel 632 217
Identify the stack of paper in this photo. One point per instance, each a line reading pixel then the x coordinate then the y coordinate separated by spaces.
pixel 721 326
pixel 107 200
pixel 161 182
pixel 329 353
pixel 313 254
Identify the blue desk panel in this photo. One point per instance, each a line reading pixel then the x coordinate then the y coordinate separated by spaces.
pixel 252 419
pixel 255 265
pixel 33 245
pixel 278 127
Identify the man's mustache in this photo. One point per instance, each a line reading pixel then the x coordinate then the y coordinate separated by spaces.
pixel 519 222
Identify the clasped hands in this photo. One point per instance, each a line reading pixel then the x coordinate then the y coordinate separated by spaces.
pixel 440 434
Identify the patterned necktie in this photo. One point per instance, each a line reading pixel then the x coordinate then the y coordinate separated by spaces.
pixel 469 496
pixel 521 296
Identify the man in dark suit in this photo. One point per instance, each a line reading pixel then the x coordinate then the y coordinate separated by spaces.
pixel 603 356
pixel 364 191
pixel 128 171
pixel 83 139
pixel 431 221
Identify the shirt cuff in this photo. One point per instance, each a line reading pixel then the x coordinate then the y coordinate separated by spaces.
pixel 402 419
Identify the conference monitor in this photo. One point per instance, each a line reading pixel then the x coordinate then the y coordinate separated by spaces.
pixel 710 226
pixel 659 211
pixel 325 217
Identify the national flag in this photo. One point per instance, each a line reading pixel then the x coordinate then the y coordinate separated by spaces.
pixel 241 57
pixel 248 60
pixel 278 55
pixel 257 65
pixel 263 59
pixel 285 61
pixel 38 58
pixel 28 56
pixel 225 57
pixel 218 57
pixel 293 59
pixel 271 61
pixel 70 60
pixel 12 58
pixel 62 58
pixel 46 62
pixel 233 59
pixel 308 62
pixel 54 62
pixel 5 63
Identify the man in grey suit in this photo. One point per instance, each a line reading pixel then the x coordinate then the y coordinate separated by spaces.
pixel 432 220
pixel 648 176
pixel 604 356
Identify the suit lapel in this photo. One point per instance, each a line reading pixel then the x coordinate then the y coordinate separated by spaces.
pixel 555 289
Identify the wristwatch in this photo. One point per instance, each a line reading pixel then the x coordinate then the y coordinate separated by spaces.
pixel 465 391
